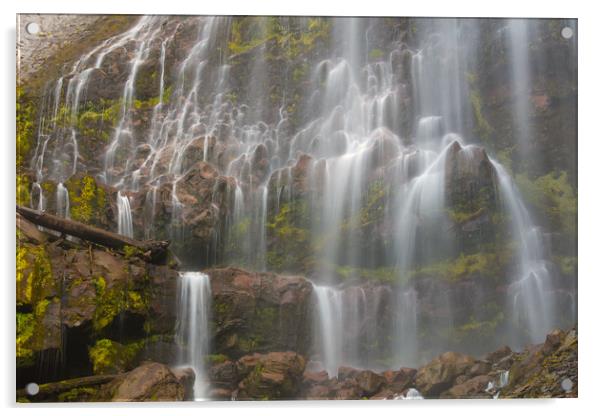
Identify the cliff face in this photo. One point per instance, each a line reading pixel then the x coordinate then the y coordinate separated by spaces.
pixel 422 179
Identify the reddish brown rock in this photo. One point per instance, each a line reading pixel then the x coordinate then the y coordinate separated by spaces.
pixel 497 355
pixel 149 382
pixel 439 375
pixel 479 368
pixel 369 382
pixel 318 393
pixel 224 375
pixel 315 377
pixel 260 312
pixel 473 388
pixel 275 376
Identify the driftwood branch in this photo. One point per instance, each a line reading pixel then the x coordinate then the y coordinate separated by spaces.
pixel 154 251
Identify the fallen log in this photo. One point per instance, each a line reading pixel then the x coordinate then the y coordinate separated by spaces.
pixel 152 250
pixel 51 391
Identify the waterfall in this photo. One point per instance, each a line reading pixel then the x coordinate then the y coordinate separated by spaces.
pixel 348 155
pixel 193 326
pixel 62 201
pixel 346 325
pixel 330 327
pixel 531 303
pixel 125 225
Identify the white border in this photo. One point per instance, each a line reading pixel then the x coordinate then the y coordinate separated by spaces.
pixel 590 139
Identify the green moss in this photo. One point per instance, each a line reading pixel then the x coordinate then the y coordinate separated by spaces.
pixel 248 344
pixel 108 356
pixel 79 394
pixel 553 196
pixel 482 127
pixel 484 264
pixel 23 186
pixel 249 32
pixel 100 284
pixel 566 264
pixel 26 117
pixel 477 329
pixel 290 243
pixel 34 274
pixel 216 359
pixel 25 331
pixel 131 251
pixel 96 120
pixel 376 54
pixel 87 199
pixel 381 274
pixel 111 301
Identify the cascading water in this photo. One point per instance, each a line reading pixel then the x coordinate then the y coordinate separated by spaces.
pixel 193 332
pixel 124 216
pixel 330 327
pixel 62 200
pixel 531 305
pixel 357 170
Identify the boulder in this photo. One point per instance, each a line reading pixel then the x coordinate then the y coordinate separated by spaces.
pixel 473 388
pixel 345 373
pixel 369 382
pixel 224 375
pixel 149 382
pixel 400 380
pixel 479 368
pixel 318 393
pixel 440 374
pixel 497 355
pixel 275 376
pixel 186 378
pixel 315 377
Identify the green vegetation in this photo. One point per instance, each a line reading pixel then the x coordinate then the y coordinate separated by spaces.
pixel 26 115
pixel 97 119
pixel 216 359
pixel 376 54
pixel 79 394
pixel 25 331
pixel 566 264
pixel 23 186
pixel 290 239
pixel 553 196
pixel 111 301
pixel 109 357
pixel 485 264
pixel 381 274
pixel 249 32
pixel 479 329
pixel 88 200
pixel 34 274
pixel 482 127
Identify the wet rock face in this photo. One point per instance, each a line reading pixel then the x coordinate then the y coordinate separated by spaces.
pixel 259 312
pixel 470 191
